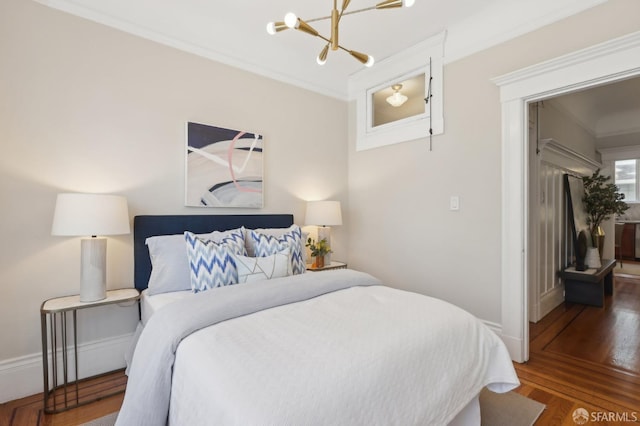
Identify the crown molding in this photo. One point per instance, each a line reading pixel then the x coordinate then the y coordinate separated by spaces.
pixel 494 26
pixel 620 153
pixel 76 9
pixel 557 148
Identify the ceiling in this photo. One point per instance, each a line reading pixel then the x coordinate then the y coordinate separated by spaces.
pixel 611 112
pixel 234 32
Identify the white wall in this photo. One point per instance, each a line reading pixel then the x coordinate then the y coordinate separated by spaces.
pixel 401 228
pixel 84 107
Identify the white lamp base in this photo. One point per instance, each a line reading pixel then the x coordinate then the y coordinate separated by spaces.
pixel 324 233
pixel 93 282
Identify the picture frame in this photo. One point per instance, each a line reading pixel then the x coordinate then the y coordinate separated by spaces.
pixel 223 167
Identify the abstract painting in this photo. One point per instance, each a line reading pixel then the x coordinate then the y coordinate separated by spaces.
pixel 223 167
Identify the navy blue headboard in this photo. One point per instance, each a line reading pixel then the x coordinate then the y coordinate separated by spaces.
pixel 148 226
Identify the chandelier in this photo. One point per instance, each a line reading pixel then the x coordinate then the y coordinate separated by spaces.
pixel 291 21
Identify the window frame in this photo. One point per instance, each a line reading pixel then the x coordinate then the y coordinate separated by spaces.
pixel 636 183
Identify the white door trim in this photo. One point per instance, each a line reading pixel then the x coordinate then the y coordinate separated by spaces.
pixel 606 62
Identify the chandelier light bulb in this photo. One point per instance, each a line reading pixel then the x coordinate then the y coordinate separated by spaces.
pixel 276 27
pixel 322 57
pixel 291 20
pixel 408 3
pixel 369 62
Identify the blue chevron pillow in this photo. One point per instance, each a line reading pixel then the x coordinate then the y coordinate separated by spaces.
pixel 211 264
pixel 261 245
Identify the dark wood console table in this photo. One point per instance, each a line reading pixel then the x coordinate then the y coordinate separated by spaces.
pixel 589 287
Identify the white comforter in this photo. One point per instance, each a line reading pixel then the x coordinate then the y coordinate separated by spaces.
pixel 355 356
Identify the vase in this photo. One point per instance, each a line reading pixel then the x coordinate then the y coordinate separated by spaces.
pixel 593 258
pixel 319 261
pixel 598 239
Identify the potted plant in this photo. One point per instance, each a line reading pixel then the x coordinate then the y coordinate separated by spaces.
pixel 601 200
pixel 318 250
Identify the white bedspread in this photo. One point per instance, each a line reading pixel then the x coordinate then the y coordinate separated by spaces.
pixel 150 304
pixel 360 356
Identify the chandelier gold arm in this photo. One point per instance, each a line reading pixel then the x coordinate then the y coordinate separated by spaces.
pixel 304 27
pixel 387 4
pixel 335 20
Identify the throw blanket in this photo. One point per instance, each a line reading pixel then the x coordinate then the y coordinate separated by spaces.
pixel 146 400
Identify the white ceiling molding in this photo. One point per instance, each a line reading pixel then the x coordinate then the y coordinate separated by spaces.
pixel 608 111
pixel 620 123
pixel 582 164
pixel 187 46
pixel 504 20
pixel 212 30
pixel 620 153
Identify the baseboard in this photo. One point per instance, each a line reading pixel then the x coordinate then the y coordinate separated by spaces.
pixel 22 376
pixel 550 300
pixel 514 345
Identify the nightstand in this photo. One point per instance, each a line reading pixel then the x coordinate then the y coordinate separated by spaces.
pixel 332 265
pixel 64 393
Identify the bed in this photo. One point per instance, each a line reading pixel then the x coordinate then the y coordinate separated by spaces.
pixel 335 347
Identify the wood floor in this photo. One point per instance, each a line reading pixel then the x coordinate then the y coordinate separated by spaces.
pixel 588 357
pixel 581 357
pixel 29 411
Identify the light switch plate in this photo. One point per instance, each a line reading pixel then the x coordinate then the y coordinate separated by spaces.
pixel 454 203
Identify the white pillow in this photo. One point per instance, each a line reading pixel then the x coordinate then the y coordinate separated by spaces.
pixel 263 268
pixel 267 241
pixel 169 262
pixel 211 264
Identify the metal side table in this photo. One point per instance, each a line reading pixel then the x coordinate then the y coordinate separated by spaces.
pixel 64 393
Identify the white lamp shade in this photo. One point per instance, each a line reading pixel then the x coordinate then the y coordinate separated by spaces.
pixel 323 213
pixel 90 214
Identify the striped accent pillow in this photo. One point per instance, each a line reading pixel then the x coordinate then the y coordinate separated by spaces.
pixel 266 245
pixel 211 264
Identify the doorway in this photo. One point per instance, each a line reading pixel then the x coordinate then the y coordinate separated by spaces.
pixel 614 60
pixel 577 134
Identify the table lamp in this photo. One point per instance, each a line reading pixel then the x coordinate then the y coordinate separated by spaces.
pixel 324 214
pixel 90 215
